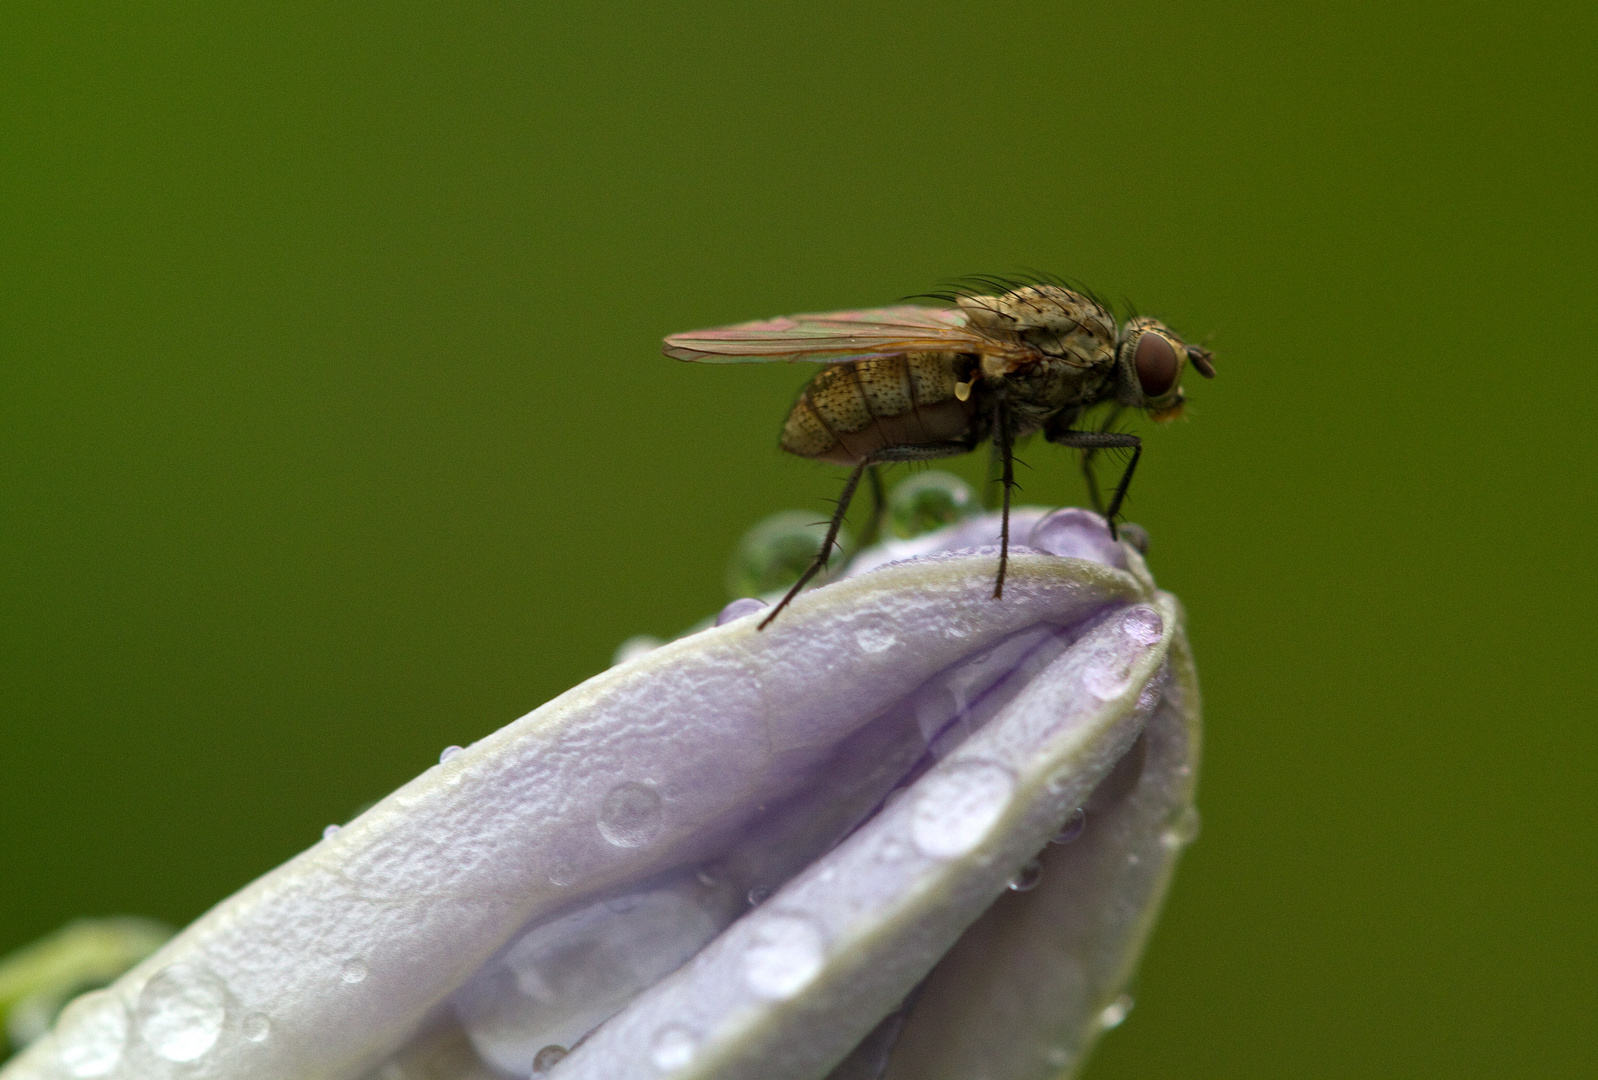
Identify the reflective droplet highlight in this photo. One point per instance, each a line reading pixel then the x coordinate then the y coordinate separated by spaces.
pixel 181 1011
pixel 630 815
pixel 1027 878
pixel 872 639
pixel 352 972
pixel 956 808
pixel 1115 1012
pixel 1072 828
pixel 1183 829
pixel 672 1048
pixel 256 1028
pixel 91 1033
pixel 1143 625
pixel 447 753
pixel 786 953
pixel 748 605
pixel 758 896
pixel 547 1058
pixel 330 832
pixel 929 501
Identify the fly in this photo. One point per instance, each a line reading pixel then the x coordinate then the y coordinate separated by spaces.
pixel 915 383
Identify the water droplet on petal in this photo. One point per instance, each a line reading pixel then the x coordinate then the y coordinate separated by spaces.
pixel 1143 625
pixel 758 896
pixel 448 752
pixel 672 1047
pixel 630 816
pixel 1183 830
pixel 352 972
pixel 786 952
pixel 330 832
pixel 1027 878
pixel 90 1034
pixel 1115 1012
pixel 1072 828
pixel 547 1058
pixel 1074 533
pixel 955 808
pixel 739 608
pixel 929 501
pixel 181 1011
pixel 774 553
pixel 873 639
pixel 256 1027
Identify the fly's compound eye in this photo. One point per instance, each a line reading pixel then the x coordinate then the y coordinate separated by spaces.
pixel 1156 363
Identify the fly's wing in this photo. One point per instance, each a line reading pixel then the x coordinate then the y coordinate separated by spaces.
pixel 833 337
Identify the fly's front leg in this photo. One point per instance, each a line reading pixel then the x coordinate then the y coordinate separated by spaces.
pixel 1104 440
pixel 886 455
pixel 1087 461
pixel 1003 440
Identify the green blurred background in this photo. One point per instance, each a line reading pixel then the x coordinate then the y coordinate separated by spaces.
pixel 333 430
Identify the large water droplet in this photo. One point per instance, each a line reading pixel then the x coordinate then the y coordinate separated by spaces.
pixel 181 1011
pixel 352 972
pixel 630 816
pixel 738 609
pixel 547 1058
pixel 774 553
pixel 955 808
pixel 447 753
pixel 672 1047
pixel 1143 625
pixel 90 1034
pixel 786 953
pixel 1072 828
pixel 1074 533
pixel 330 832
pixel 1027 878
pixel 1115 1012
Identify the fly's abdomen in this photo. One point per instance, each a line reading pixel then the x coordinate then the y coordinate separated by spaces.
pixel 850 410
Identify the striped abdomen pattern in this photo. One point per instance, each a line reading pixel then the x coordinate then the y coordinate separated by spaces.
pixel 850 410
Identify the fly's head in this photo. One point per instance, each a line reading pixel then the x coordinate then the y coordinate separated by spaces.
pixel 1148 367
pixel 1059 323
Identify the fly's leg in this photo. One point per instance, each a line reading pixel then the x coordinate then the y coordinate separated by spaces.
pixel 1087 462
pixel 1105 440
pixel 886 455
pixel 1001 440
pixel 879 508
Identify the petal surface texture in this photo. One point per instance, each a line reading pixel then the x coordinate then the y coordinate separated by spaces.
pixel 734 856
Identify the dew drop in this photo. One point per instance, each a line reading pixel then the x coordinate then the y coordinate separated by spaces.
pixel 1027 878
pixel 181 1011
pixel 630 816
pixel 256 1027
pixel 871 639
pixel 547 1058
pixel 90 1034
pixel 1072 828
pixel 738 609
pixel 786 953
pixel 1183 830
pixel 1074 533
pixel 672 1047
pixel 758 896
pixel 1113 1014
pixel 448 752
pixel 954 809
pixel 352 972
pixel 1143 625
pixel 330 832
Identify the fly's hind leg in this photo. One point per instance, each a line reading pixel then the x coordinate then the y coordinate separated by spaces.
pixel 884 456
pixel 1092 441
pixel 879 507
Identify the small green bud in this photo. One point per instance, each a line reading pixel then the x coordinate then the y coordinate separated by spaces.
pixel 773 554
pixel 928 501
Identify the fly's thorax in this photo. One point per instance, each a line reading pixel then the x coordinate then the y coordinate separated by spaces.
pixel 1053 320
pixel 1149 361
pixel 1041 389
pixel 850 410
